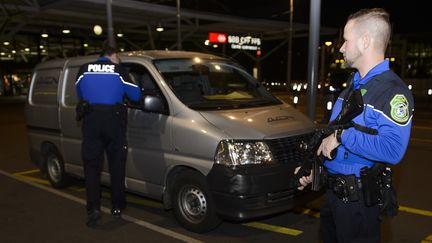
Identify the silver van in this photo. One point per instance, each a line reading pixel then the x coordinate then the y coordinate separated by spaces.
pixel 207 140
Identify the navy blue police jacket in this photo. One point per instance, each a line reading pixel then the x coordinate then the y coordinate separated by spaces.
pixel 105 83
pixel 388 108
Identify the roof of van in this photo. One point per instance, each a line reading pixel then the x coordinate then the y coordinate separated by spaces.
pixel 150 54
pixel 166 54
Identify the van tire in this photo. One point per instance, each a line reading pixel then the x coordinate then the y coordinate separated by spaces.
pixel 192 204
pixel 54 167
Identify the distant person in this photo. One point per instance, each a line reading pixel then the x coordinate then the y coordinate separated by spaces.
pixel 379 139
pixel 101 87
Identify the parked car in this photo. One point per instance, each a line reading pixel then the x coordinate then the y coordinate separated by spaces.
pixel 208 140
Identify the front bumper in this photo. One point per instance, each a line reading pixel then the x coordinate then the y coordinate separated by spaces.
pixel 254 191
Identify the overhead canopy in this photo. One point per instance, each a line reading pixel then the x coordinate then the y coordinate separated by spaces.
pixel 22 22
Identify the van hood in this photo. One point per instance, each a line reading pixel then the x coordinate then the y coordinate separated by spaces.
pixel 261 122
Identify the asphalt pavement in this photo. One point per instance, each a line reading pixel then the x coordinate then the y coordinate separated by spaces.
pixel 32 211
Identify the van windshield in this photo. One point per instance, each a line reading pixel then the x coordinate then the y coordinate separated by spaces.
pixel 213 84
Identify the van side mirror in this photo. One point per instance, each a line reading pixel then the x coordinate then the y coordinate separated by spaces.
pixel 152 103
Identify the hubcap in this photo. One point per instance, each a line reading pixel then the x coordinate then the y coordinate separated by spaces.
pixel 193 203
pixel 54 168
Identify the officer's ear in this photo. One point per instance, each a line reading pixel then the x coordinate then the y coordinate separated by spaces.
pixel 114 58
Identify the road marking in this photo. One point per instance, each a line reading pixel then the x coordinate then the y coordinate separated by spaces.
pixel 149 203
pixel 415 211
pixel 310 212
pixel 77 188
pixel 278 229
pixel 274 228
pixel 131 219
pixel 427 239
pixel 27 172
pixel 33 179
pixel 24 174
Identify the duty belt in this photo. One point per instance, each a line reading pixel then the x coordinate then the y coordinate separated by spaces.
pixel 345 187
pixel 102 107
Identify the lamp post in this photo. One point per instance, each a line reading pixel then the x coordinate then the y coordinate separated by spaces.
pixel 179 42
pixel 290 32
pixel 111 39
pixel 324 52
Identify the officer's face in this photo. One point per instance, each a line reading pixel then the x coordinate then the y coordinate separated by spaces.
pixel 349 48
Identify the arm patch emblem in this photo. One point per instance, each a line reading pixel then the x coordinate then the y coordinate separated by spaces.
pixel 399 108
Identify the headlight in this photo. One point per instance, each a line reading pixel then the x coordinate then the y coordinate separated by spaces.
pixel 234 153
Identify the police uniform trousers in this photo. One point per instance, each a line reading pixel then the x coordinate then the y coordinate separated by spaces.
pixel 104 130
pixel 349 222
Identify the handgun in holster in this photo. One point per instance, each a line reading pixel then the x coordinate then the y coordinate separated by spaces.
pixel 82 108
pixel 371 185
pixel 378 189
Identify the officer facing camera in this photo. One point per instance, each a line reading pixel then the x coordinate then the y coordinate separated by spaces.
pixel 101 87
pixel 359 190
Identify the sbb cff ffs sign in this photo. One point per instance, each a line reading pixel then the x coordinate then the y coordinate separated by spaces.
pixel 235 41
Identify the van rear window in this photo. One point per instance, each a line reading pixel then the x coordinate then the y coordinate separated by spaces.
pixel 45 86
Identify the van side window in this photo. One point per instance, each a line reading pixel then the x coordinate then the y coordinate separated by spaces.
pixel 45 86
pixel 71 98
pixel 142 77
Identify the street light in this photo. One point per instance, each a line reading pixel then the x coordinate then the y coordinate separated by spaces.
pixel 97 29
pixel 159 28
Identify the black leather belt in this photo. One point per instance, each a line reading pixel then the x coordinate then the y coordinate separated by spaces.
pixel 100 107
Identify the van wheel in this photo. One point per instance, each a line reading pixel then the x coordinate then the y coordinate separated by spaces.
pixel 55 169
pixel 192 203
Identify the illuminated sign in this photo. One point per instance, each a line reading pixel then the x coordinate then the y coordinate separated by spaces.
pixel 217 37
pixel 244 42
pixel 236 42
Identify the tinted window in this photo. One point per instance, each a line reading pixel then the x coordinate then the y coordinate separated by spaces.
pixel 71 97
pixel 45 86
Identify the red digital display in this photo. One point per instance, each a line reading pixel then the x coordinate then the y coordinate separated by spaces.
pixel 217 37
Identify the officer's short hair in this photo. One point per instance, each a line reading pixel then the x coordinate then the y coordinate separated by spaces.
pixel 377 21
pixel 107 50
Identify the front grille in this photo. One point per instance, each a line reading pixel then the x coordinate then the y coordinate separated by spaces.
pixel 287 150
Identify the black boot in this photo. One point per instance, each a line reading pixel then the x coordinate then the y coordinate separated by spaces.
pixel 93 217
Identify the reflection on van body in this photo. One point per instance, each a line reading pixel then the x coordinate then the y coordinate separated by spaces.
pixel 208 140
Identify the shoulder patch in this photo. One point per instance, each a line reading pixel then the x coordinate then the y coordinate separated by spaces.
pixel 399 108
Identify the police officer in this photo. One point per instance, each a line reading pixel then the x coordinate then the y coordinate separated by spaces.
pixel 388 110
pixel 103 85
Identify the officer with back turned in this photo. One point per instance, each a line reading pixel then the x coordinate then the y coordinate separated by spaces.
pixel 359 182
pixel 102 87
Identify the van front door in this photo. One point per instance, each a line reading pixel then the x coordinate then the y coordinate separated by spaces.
pixel 149 137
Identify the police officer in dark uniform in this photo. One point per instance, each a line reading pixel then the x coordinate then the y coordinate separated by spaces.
pixel 380 136
pixel 102 87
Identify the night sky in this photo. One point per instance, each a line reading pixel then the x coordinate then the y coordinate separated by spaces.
pixel 406 16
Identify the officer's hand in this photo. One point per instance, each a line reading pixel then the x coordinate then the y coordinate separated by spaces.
pixel 328 144
pixel 304 181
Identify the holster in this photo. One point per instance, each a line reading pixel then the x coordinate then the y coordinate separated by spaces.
pixel 121 111
pixel 345 187
pixel 371 186
pixel 388 205
pixel 82 108
pixel 378 189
